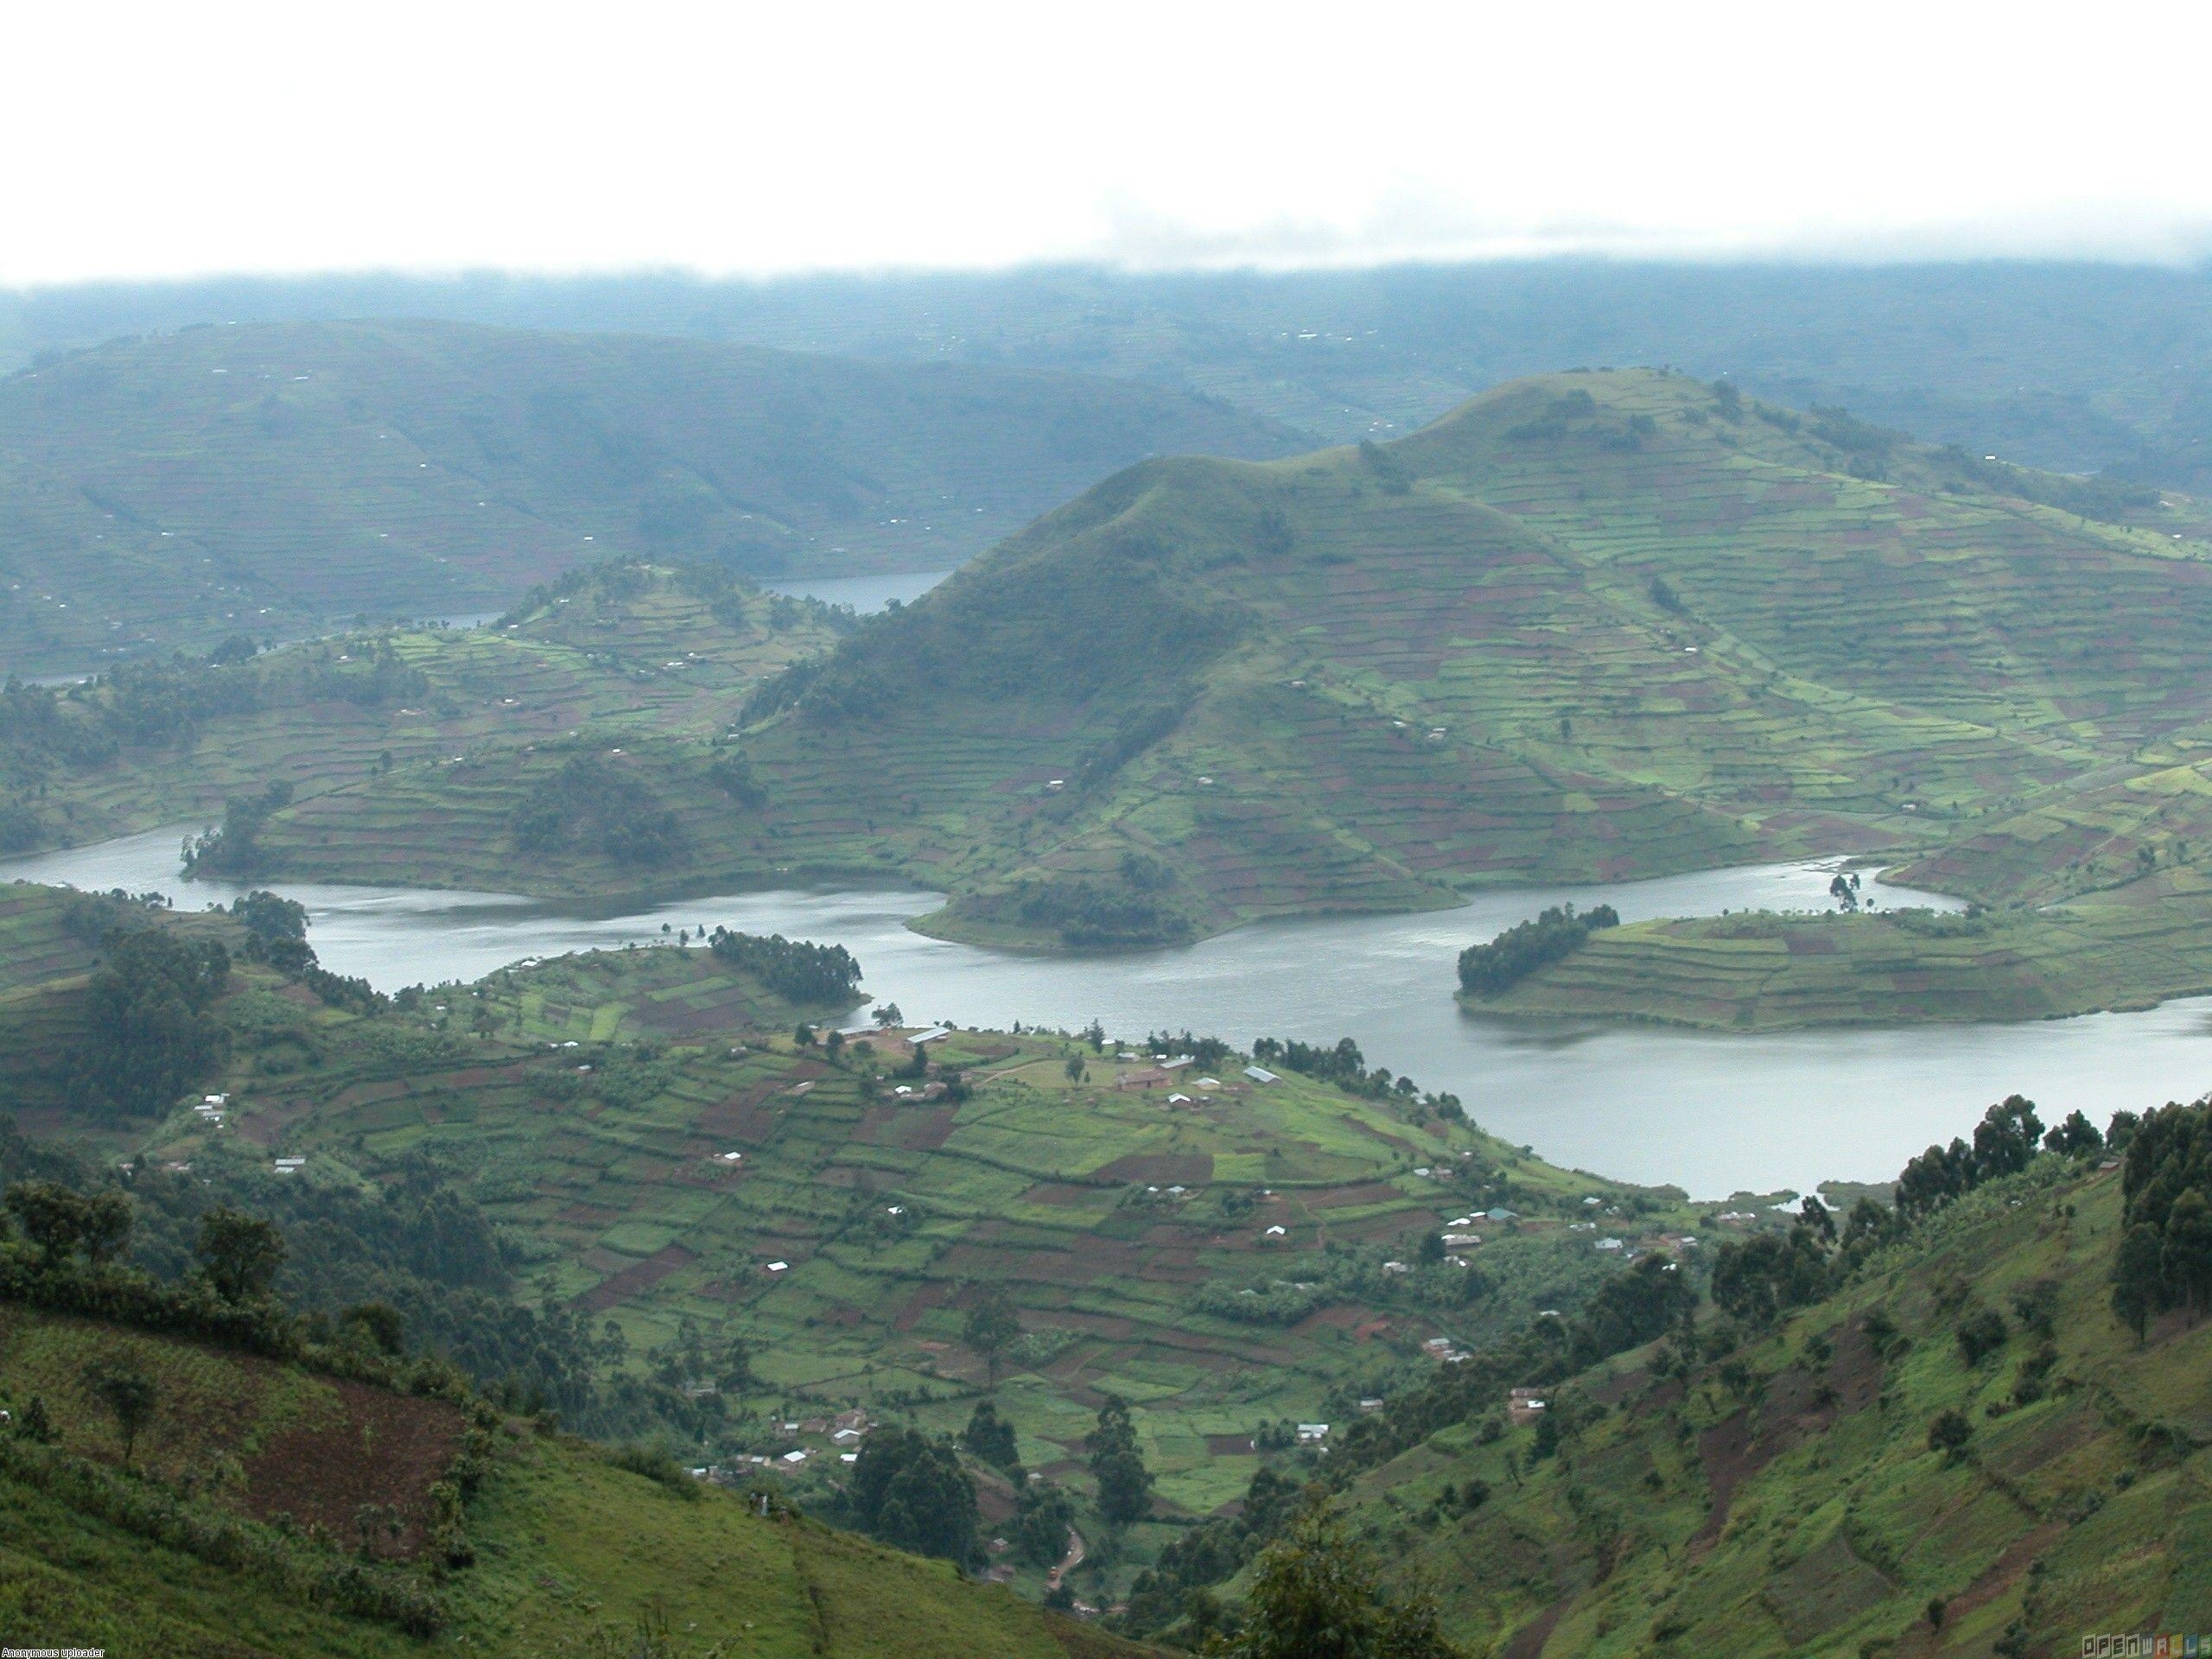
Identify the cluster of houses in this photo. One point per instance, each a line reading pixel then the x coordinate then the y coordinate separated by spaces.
pixel 844 1433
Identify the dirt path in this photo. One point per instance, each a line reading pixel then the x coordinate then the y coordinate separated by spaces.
pixel 1068 1563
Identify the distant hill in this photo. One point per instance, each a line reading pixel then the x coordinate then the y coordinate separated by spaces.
pixel 2074 366
pixel 1590 626
pixel 267 479
pixel 620 648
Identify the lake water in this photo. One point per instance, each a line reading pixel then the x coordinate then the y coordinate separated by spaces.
pixel 1713 1113
pixel 866 594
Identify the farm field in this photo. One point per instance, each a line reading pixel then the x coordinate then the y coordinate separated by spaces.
pixel 1589 627
pixel 171 491
pixel 1794 1503
pixel 841 1229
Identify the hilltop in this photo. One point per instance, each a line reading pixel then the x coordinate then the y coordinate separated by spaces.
pixel 272 479
pixel 1590 626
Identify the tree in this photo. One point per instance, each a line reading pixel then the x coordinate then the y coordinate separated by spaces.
pixel 2185 1259
pixel 1042 1519
pixel 53 1217
pixel 2074 1137
pixel 1317 1595
pixel 911 1492
pixel 1117 1464
pixel 1981 1333
pixel 239 1253
pixel 2135 1277
pixel 129 1396
pixel 380 1323
pixel 107 1227
pixel 1075 1068
pixel 1948 1432
pixel 991 1438
pixel 149 1034
pixel 992 1324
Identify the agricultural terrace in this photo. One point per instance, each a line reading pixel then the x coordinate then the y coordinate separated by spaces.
pixel 838 1210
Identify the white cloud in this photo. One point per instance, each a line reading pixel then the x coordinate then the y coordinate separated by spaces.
pixel 159 140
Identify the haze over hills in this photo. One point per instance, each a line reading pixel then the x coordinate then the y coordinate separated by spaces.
pixel 1590 626
pixel 268 480
pixel 2075 367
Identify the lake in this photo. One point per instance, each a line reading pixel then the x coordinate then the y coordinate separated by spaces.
pixel 1713 1113
pixel 866 594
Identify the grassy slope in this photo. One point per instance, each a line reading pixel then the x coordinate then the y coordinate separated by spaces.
pixel 1337 696
pixel 664 660
pixel 170 489
pixel 567 1545
pixel 1819 1522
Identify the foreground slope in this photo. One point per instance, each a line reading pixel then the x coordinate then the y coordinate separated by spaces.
pixel 1590 626
pixel 565 1551
pixel 172 490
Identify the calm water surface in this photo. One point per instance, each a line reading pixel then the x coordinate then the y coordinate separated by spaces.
pixel 1714 1114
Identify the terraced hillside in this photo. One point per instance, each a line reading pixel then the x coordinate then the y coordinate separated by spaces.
pixel 1590 626
pixel 233 1539
pixel 796 1199
pixel 1961 1451
pixel 272 479
pixel 673 1184
pixel 618 649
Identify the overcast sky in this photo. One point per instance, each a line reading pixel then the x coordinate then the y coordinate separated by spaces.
pixel 175 139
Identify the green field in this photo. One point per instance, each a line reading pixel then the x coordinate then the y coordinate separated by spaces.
pixel 172 490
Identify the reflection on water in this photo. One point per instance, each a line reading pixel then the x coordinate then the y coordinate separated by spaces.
pixel 1710 1112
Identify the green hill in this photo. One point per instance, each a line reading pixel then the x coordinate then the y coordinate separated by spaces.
pixel 1590 626
pixel 270 480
